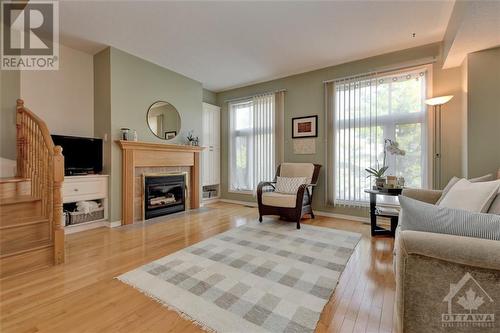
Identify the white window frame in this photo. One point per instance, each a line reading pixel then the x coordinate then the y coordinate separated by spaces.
pixel 253 145
pixel 232 160
pixel 427 137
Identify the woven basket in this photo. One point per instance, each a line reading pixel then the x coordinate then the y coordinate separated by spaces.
pixel 80 217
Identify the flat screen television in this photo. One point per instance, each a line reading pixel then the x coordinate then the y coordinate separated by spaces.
pixel 81 155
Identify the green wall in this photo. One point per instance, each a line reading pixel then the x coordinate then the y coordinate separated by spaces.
pixel 10 91
pixel 305 96
pixel 102 104
pixel 483 130
pixel 134 84
pixel 209 97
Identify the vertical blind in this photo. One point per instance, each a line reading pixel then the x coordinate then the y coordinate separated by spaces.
pixel 364 111
pixel 252 142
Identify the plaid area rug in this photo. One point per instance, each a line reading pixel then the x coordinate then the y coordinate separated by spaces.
pixel 267 277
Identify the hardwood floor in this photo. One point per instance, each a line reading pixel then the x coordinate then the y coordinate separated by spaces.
pixel 83 296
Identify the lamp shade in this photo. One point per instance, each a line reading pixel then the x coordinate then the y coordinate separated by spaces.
pixel 438 100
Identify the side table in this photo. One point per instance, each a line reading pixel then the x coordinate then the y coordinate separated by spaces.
pixel 375 229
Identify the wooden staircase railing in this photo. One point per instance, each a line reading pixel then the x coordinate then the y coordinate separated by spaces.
pixel 43 163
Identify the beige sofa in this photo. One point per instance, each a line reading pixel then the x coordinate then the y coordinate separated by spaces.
pixel 444 282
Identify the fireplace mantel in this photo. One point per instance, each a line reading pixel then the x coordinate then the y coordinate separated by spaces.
pixel 139 145
pixel 146 154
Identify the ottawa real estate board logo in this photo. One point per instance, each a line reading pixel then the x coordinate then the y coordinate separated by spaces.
pixel 469 305
pixel 30 35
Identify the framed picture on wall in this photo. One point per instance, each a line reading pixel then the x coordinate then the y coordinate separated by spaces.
pixel 305 127
pixel 170 135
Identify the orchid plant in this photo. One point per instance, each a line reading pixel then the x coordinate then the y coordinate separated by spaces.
pixel 392 147
pixel 377 173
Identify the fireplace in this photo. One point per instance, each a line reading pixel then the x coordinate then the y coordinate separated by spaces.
pixel 164 194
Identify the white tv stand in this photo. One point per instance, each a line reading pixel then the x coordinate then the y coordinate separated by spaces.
pixel 86 187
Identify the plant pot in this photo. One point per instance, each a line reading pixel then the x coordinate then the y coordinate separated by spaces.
pixel 379 182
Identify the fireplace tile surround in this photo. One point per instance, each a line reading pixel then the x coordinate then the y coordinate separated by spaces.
pixel 139 175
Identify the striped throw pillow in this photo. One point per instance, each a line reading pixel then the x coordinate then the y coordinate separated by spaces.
pixel 289 185
pixel 420 216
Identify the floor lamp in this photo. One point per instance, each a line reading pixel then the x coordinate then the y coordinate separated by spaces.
pixel 436 103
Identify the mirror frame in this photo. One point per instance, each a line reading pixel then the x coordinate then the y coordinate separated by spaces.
pixel 178 114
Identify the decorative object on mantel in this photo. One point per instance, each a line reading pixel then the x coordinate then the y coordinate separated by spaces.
pixel 392 182
pixel 128 135
pixel 125 133
pixel 305 146
pixel 192 140
pixel 305 127
pixel 170 135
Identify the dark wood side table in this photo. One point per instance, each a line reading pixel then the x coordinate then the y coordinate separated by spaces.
pixel 375 229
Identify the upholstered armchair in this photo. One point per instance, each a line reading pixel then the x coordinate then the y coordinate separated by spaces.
pixel 291 207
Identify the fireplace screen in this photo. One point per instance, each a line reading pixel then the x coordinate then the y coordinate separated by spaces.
pixel 163 195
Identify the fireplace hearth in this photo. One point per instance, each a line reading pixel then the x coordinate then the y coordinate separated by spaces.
pixel 164 194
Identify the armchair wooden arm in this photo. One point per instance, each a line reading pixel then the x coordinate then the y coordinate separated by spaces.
pixel 264 184
pixel 260 187
pixel 300 194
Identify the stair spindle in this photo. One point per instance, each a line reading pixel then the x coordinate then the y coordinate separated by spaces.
pixel 40 161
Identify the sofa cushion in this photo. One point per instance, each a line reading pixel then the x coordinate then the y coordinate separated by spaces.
pixel 474 197
pixel 485 178
pixel 454 180
pixel 420 216
pixel 425 195
pixel 289 185
pixel 495 205
pixel 278 199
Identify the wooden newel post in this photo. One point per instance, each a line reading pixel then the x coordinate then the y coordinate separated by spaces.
pixel 58 209
pixel 20 138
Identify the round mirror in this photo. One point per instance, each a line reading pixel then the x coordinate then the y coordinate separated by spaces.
pixel 164 120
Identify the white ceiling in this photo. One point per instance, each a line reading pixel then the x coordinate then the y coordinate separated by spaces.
pixel 478 29
pixel 229 44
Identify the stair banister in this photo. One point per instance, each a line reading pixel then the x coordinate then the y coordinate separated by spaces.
pixel 39 160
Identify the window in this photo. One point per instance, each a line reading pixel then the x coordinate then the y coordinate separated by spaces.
pixel 251 142
pixel 365 112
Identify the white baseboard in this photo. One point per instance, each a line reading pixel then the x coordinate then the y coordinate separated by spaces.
pixel 209 201
pixel 114 224
pixel 77 228
pixel 82 227
pixel 238 202
pixel 342 216
pixel 316 212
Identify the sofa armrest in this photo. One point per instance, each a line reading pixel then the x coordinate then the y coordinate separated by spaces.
pixel 476 252
pixel 429 196
pixel 427 264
